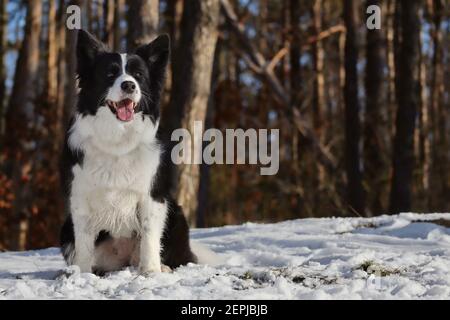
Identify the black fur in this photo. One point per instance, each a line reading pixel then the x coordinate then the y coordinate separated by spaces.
pixel 97 69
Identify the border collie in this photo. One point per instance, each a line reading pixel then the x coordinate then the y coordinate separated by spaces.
pixel 115 169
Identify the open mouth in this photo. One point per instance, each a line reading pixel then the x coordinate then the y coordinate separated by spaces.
pixel 124 109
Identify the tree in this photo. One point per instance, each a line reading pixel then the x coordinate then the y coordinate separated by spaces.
pixel 373 121
pixel 318 94
pixel 355 192
pixel 143 20
pixel 408 97
pixel 318 64
pixel 52 55
pixel 295 72
pixel 3 45
pixel 108 21
pixel 18 116
pixel 193 63
pixel 62 76
pixel 118 7
pixel 172 17
pixel 439 119
pixel 71 83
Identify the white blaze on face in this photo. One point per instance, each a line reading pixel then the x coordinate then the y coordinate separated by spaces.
pixel 124 103
pixel 115 93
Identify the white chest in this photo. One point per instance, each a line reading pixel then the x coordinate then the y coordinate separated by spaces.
pixel 109 185
pixel 132 171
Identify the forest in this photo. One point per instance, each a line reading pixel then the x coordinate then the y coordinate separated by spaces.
pixel 363 113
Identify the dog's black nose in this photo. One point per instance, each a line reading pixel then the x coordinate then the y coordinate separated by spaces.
pixel 128 86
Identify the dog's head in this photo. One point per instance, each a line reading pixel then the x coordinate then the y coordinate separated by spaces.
pixel 124 83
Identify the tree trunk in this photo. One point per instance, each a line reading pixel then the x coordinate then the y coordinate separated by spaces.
pixel 52 55
pixel 143 19
pixel 118 7
pixel 108 21
pixel 407 89
pixel 172 17
pixel 98 19
pixel 318 97
pixel 374 165
pixel 295 74
pixel 89 16
pixel 295 84
pixel 71 60
pixel 424 134
pixel 355 192
pixel 21 102
pixel 390 31
pixel 319 81
pixel 193 63
pixel 19 116
pixel 61 36
pixel 440 145
pixel 3 47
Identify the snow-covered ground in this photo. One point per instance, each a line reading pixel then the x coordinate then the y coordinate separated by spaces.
pixel 387 257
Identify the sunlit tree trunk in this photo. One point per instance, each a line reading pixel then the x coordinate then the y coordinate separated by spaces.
pixel 52 55
pixel 423 134
pixel 19 116
pixel 318 96
pixel 193 63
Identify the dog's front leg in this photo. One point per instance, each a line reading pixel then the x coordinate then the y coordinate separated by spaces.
pixel 153 217
pixel 84 250
pixel 84 239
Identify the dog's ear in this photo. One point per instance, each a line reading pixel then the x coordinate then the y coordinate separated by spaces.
pixel 156 54
pixel 88 47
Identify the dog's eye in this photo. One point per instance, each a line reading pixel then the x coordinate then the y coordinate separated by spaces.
pixel 138 74
pixel 112 72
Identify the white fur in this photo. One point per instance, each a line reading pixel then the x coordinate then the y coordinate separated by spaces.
pixel 205 255
pixel 69 252
pixel 152 227
pixel 119 166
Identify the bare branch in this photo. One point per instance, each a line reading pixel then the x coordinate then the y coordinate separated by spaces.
pixel 324 34
pixel 276 58
pixel 259 63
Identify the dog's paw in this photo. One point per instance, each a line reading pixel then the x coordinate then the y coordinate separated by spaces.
pixel 67 272
pixel 165 268
pixel 84 267
pixel 147 271
pixel 150 270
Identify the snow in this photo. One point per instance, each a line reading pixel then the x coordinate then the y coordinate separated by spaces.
pixel 406 256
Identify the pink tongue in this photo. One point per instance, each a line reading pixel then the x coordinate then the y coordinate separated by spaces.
pixel 125 111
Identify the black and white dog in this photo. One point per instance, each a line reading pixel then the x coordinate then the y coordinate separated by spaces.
pixel 115 171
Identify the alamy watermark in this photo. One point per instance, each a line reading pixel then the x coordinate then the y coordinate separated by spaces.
pixel 374 19
pixel 73 21
pixel 236 146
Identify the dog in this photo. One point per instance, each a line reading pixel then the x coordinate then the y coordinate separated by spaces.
pixel 116 167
